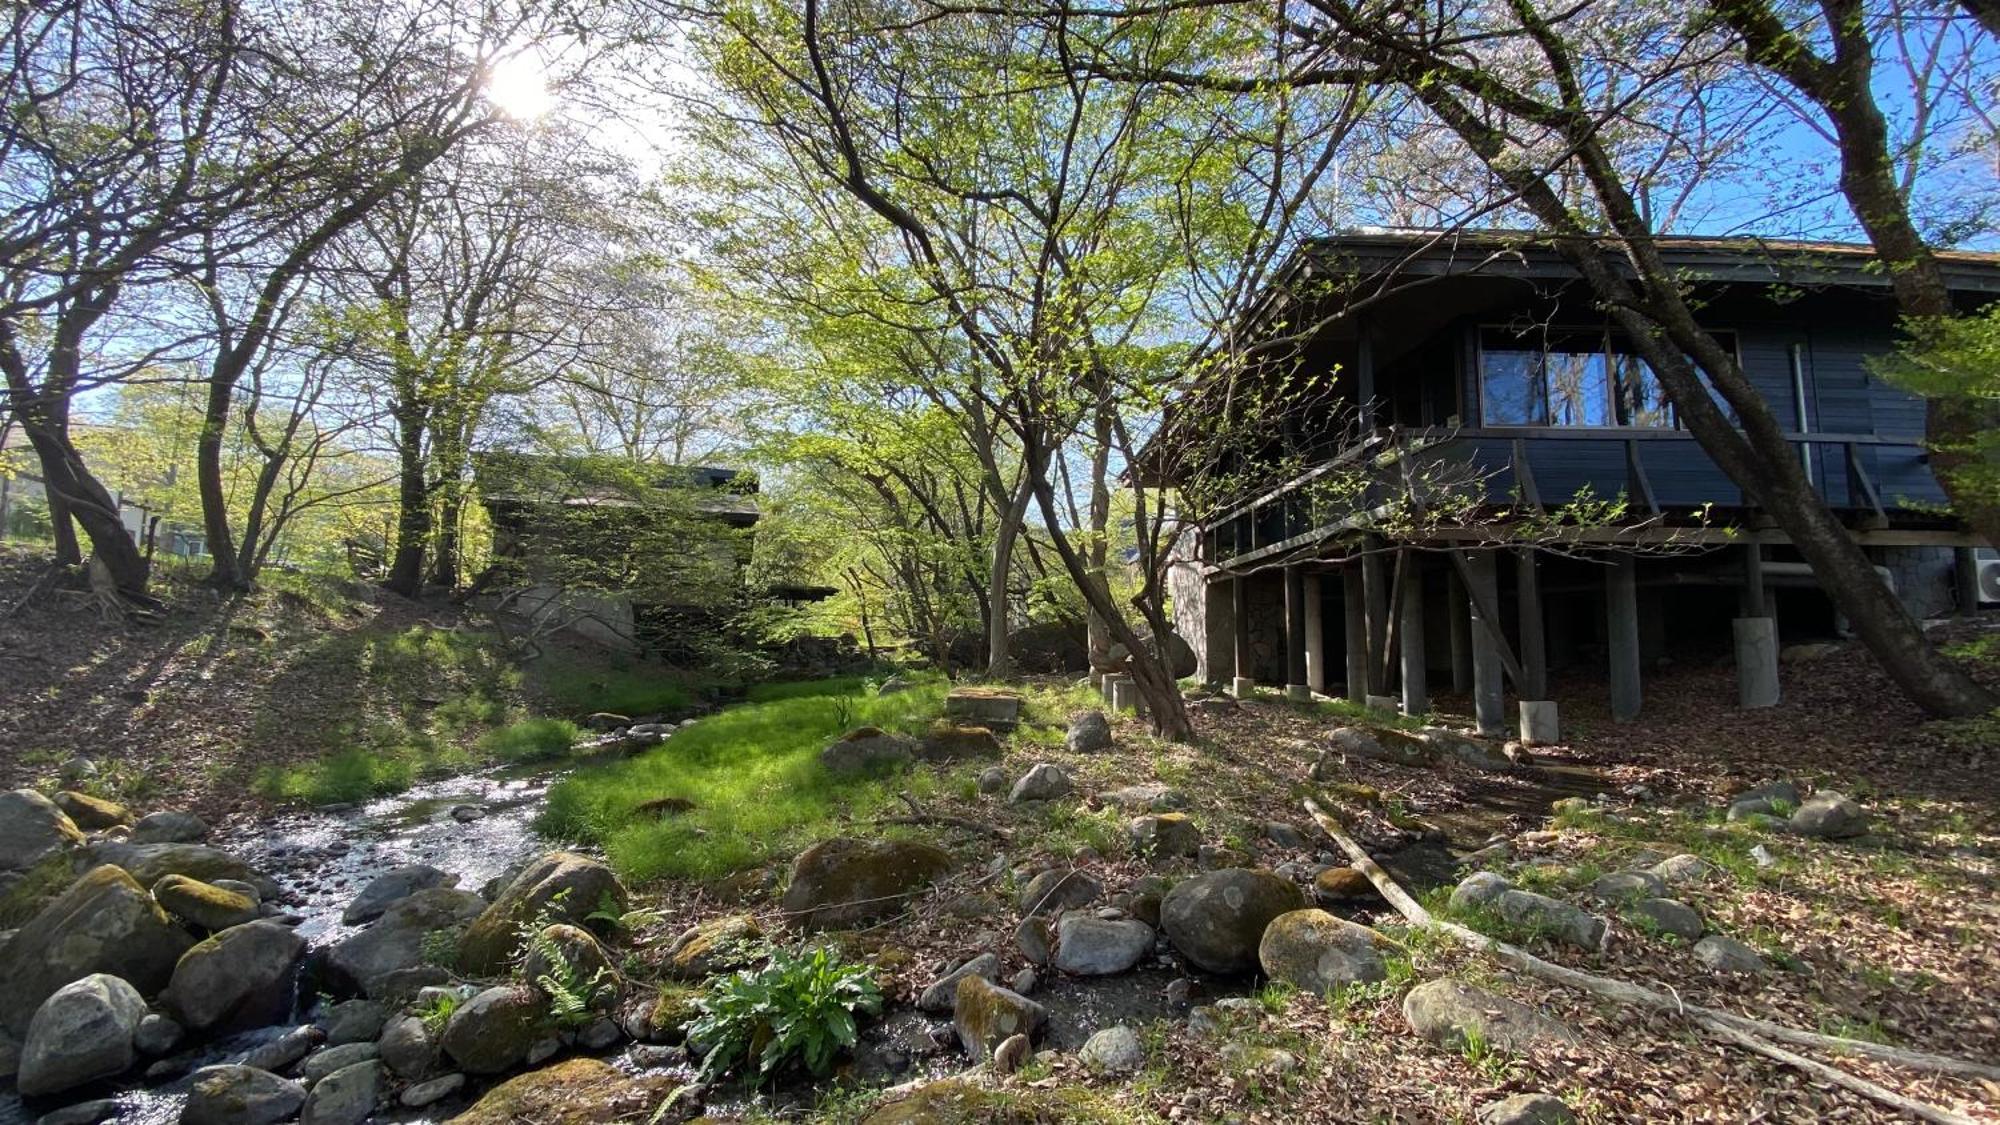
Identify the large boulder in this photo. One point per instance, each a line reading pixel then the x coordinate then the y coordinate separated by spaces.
pixel 571 1092
pixel 1217 918
pixel 567 886
pixel 942 994
pixel 1045 781
pixel 986 1015
pixel 104 923
pixel 370 959
pixel 1541 914
pixel 392 886
pixel 345 1097
pixel 1164 835
pixel 240 1095
pixel 204 904
pixel 1091 946
pixel 81 1033
pixel 1089 732
pixel 90 813
pixel 868 751
pixel 844 881
pixel 713 945
pixel 240 978
pixel 1318 953
pixel 169 826
pixel 1829 816
pixel 149 863
pixel 493 1031
pixel 1059 889
pixel 958 742
pixel 572 954
pixel 1380 744
pixel 407 1046
pixel 31 827
pixel 1452 1014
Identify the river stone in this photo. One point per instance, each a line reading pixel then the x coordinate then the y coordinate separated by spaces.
pixel 431 1092
pixel 1092 946
pixel 1035 938
pixel 1829 816
pixel 81 1033
pixel 1343 884
pixel 369 960
pixel 90 813
pixel 1216 919
pixel 1150 796
pixel 714 945
pixel 1089 732
pixel 568 952
pixel 1526 1109
pixel 1319 953
pixel 572 1092
pixel 240 978
pixel 1115 1050
pixel 986 1015
pixel 1677 870
pixel 958 742
pixel 240 1095
pixel 391 886
pixel 1471 751
pixel 493 1031
pixel 205 905
pixel 31 827
pixel 322 1063
pixel 1447 1012
pixel 157 1035
pixel 993 779
pixel 1727 955
pixel 1382 745
pixel 567 886
pixel 1783 792
pixel 1045 781
pixel 1059 889
pixel 149 863
pixel 286 1049
pixel 868 750
pixel 83 1113
pixel 354 1021
pixel 843 882
pixel 1670 916
pixel 1481 888
pixel 406 1046
pixel 1621 885
pixel 104 923
pixel 168 826
pixel 943 992
pixel 1569 924
pixel 1012 1054
pixel 345 1097
pixel 1164 835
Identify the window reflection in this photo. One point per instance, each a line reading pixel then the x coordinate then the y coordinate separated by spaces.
pixel 1570 379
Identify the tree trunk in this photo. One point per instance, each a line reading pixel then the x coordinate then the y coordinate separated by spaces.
pixel 68 551
pixel 226 571
pixel 413 508
pixel 445 561
pixel 1000 661
pixel 74 493
pixel 1097 630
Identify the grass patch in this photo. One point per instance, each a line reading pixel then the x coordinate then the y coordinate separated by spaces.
pixel 1356 713
pixel 571 685
pixel 753 775
pixel 530 740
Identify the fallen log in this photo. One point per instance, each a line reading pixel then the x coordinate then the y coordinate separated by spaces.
pixel 1743 1031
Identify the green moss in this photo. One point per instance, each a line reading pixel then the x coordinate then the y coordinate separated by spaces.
pixel 37 887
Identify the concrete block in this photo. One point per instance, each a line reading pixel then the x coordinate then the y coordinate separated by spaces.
pixel 1242 687
pixel 1756 661
pixel 1539 723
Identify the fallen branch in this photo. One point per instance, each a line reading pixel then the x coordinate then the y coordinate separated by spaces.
pixel 920 817
pixel 1741 1030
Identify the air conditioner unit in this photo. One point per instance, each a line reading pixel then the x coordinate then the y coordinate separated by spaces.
pixel 1989 582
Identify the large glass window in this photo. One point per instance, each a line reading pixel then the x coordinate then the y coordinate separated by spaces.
pixel 1642 399
pixel 1569 378
pixel 1513 389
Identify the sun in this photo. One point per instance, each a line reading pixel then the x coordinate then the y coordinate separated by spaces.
pixel 519 86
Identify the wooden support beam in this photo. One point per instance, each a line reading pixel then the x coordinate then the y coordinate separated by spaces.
pixel 1295 629
pixel 1621 613
pixel 1859 483
pixel 1410 630
pixel 1461 633
pixel 1354 610
pixel 1534 652
pixel 1483 595
pixel 1524 477
pixel 1756 599
pixel 1375 585
pixel 1641 486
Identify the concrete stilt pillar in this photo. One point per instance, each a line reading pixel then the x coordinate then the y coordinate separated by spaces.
pixel 1410 639
pixel 1540 724
pixel 1355 625
pixel 1621 615
pixel 1756 661
pixel 1461 634
pixel 1488 693
pixel 1965 579
pixel 1315 635
pixel 1375 586
pixel 1241 684
pixel 1295 634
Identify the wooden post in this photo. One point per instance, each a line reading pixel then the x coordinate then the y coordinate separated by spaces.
pixel 1295 634
pixel 1621 626
pixel 1534 652
pixel 1461 633
pixel 1375 585
pixel 1756 603
pixel 1354 611
pixel 1488 693
pixel 1410 636
pixel 1241 682
pixel 1315 633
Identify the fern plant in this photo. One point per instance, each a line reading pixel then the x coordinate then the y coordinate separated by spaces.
pixel 800 1007
pixel 573 994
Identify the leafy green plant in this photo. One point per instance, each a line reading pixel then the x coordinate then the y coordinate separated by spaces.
pixel 530 740
pixel 437 1011
pixel 800 1007
pixel 440 947
pixel 573 994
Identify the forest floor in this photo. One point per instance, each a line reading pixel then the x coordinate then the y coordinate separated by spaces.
pixel 233 706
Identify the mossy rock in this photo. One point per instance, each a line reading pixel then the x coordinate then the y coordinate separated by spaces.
pixel 573 954
pixel 104 923
pixel 92 813
pixel 572 1092
pixel 566 886
pixel 204 904
pixel 493 1032
pixel 844 881
pixel 149 863
pixel 954 1101
pixel 947 741
pixel 713 946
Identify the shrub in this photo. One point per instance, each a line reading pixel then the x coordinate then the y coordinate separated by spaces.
pixel 800 1007
pixel 530 740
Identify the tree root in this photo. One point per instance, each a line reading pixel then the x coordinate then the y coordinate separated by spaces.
pixel 1742 1031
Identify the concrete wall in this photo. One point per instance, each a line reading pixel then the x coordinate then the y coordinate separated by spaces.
pixel 1923 578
